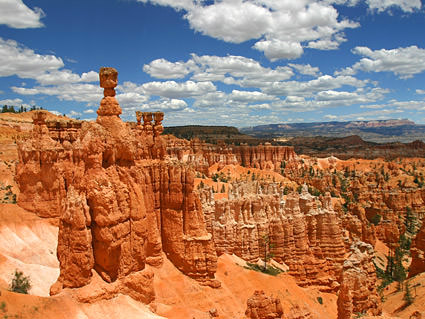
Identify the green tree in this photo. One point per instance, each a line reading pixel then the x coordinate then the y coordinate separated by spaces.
pixel 20 283
pixel 266 246
pixel 407 294
pixel 410 221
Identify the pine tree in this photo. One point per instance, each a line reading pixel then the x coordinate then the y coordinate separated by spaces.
pixel 407 294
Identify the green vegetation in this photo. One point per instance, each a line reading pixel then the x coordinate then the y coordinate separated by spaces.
pixel 9 196
pixel 266 246
pixel 320 300
pixel 213 134
pixel 220 177
pixel 376 219
pixel 395 270
pixel 269 270
pixel 314 191
pixel 410 221
pixel 11 109
pixel 20 283
pixel 408 298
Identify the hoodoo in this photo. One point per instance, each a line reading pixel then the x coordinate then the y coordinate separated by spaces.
pixel 121 204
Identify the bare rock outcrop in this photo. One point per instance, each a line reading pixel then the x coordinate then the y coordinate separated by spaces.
pixel 358 292
pixel 418 253
pixel 302 233
pixel 120 203
pixel 261 306
pixel 202 155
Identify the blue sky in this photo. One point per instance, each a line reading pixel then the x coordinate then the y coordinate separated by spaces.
pixel 228 62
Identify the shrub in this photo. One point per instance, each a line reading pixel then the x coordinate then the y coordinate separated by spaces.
pixel 20 283
pixel 320 300
pixel 270 270
pixel 376 219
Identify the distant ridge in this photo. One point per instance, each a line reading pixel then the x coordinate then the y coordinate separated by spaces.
pixel 379 131
pixel 210 134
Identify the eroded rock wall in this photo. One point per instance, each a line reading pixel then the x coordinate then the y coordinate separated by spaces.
pixel 358 293
pixel 302 232
pixel 203 155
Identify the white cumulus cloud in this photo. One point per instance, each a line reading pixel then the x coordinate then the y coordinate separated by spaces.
pixel 281 28
pixel 24 62
pixel 172 89
pixel 163 69
pixel 15 14
pixel 404 62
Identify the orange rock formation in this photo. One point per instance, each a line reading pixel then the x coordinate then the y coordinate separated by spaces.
pixel 358 292
pixel 303 232
pixel 120 203
pixel 418 253
pixel 203 155
pixel 260 306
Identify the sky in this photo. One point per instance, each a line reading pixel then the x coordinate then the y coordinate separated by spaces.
pixel 218 62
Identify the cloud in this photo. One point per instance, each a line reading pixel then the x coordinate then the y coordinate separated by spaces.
pixel 80 92
pixel 46 69
pixel 418 91
pixel 381 5
pixel 73 113
pixel 131 98
pixel 404 62
pixel 228 69
pixel 331 95
pixel 305 69
pixel 231 21
pixel 280 28
pixel 276 49
pixel 309 88
pixel 176 4
pixel 172 89
pixel 163 69
pixel 405 5
pixel 15 14
pixel 331 117
pixel 166 105
pixel 23 62
pixel 250 96
pixel 10 102
pixel 213 100
pixel 89 111
pixel 90 76
pixel 369 115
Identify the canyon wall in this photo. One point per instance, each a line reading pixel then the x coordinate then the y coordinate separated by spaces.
pixel 298 230
pixel 203 155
